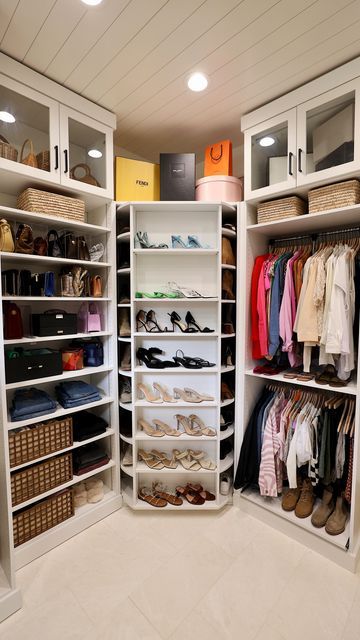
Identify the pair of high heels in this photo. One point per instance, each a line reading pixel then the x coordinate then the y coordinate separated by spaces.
pixel 148 321
pixel 148 357
pixel 163 395
pixel 189 459
pixel 142 242
pixel 191 426
pixel 191 325
pixel 193 242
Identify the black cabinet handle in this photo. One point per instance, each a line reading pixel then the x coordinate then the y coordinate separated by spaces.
pixel 299 160
pixel 56 156
pixel 66 161
pixel 290 163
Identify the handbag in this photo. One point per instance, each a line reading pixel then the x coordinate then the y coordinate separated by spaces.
pixel 96 286
pixel 40 246
pixel 54 246
pixel 49 284
pixel 93 353
pixel 87 177
pixel 69 246
pixel 10 282
pixel 218 159
pixel 36 284
pixel 30 159
pixel 25 283
pixel 24 241
pixel 83 250
pixel 85 277
pixel 13 326
pixel 6 237
pixel 96 252
pixel 72 359
pixel 89 319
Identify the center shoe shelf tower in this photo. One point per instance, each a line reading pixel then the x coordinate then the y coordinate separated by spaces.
pixel 149 270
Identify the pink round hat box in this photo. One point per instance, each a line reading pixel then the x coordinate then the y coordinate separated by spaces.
pixel 219 189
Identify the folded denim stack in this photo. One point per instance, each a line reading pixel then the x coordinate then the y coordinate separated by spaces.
pixel 75 393
pixel 88 458
pixel 30 403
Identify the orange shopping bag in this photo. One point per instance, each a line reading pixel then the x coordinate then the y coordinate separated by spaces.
pixel 218 159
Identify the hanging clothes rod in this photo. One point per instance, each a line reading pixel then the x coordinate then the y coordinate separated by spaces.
pixel 314 236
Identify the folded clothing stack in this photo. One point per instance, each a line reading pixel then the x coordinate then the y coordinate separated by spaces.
pixel 75 393
pixel 30 403
pixel 87 425
pixel 89 457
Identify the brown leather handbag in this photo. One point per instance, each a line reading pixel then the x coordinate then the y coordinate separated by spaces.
pixel 24 241
pixel 40 246
pixel 87 177
pixel 30 159
pixel 96 287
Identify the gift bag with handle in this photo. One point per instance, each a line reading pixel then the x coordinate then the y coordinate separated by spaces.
pixel 218 159
pixel 89 319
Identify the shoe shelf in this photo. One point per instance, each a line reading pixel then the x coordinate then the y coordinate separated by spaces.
pixel 228 301
pixel 177 370
pixel 349 389
pixel 47 260
pixel 142 468
pixel 227 462
pixel 128 469
pixel 225 369
pixel 128 374
pixel 227 335
pixel 175 335
pixel 228 233
pixel 225 403
pixel 123 237
pixel 109 432
pixel 75 480
pixel 177 252
pixel 123 270
pixel 230 267
pixel 227 433
pixel 125 438
pixel 70 336
pixel 173 405
pixel 170 301
pixel 184 437
pixel 123 339
pixel 65 375
pixel 126 405
pixel 124 305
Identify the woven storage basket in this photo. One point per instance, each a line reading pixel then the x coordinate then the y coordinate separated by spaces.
pixel 42 477
pixel 52 204
pixel 280 209
pixel 39 440
pixel 41 517
pixel 7 151
pixel 43 160
pixel 334 196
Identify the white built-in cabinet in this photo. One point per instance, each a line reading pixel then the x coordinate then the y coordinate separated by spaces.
pixel 302 136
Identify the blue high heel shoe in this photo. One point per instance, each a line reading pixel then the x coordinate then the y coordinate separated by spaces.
pixel 178 243
pixel 194 243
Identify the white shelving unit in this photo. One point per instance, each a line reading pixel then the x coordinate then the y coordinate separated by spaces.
pixel 343 549
pixel 150 270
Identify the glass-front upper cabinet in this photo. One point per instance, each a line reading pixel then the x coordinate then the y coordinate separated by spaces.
pixel 270 156
pixel 86 153
pixel 326 135
pixel 29 131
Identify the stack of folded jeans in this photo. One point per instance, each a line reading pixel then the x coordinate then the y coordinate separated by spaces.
pixel 75 393
pixel 88 458
pixel 30 403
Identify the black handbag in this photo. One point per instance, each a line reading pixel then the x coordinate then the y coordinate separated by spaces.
pixel 54 245
pixel 10 282
pixel 25 283
pixel 69 245
pixel 37 284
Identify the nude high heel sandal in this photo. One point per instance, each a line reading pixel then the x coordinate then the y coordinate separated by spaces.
pixel 182 394
pixel 145 391
pixel 165 428
pixel 165 395
pixel 205 431
pixel 187 426
pixel 204 397
pixel 149 430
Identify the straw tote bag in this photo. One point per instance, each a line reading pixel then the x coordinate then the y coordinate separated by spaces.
pixel 218 159
pixel 30 159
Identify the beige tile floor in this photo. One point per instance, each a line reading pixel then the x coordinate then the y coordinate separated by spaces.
pixel 162 576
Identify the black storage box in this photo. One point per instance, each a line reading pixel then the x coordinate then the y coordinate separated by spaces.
pixel 177 176
pixel 28 364
pixel 54 322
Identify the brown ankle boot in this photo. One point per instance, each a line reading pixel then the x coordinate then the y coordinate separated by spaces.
pixel 227 252
pixel 290 498
pixel 337 521
pixel 306 501
pixel 325 508
pixel 227 285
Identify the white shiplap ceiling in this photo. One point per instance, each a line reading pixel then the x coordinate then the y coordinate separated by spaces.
pixel 134 56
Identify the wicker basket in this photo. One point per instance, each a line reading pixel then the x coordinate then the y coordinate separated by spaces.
pixel 334 196
pixel 41 517
pixel 43 160
pixel 7 151
pixel 40 440
pixel 280 209
pixel 51 204
pixel 41 477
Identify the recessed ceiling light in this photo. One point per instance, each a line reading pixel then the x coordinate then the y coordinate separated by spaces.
pixel 197 82
pixel 266 141
pixel 5 116
pixel 91 2
pixel 95 153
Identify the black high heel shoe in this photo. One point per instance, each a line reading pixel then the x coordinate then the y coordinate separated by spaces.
pixel 150 361
pixel 190 320
pixel 188 363
pixel 155 328
pixel 176 320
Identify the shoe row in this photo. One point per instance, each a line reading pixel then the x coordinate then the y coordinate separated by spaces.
pixel 330 513
pixel 148 357
pixel 160 495
pixel 147 321
pixel 189 459
pixel 191 425
pixel 160 394
pixel 173 290
pixel 176 241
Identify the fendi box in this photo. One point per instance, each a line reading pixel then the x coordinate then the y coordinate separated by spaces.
pixel 136 180
pixel 54 322
pixel 177 176
pixel 28 364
